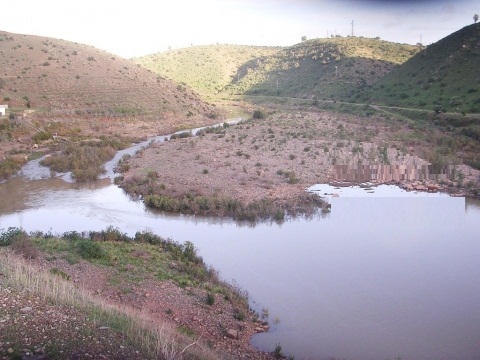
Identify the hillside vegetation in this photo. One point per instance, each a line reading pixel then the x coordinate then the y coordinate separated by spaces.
pixel 446 73
pixel 323 68
pixel 61 78
pixel 105 295
pixel 207 69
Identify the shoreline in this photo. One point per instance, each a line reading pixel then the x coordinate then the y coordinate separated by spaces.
pixel 273 159
pixel 131 275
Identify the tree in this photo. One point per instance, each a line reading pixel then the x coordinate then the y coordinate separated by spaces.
pixel 304 38
pixel 475 18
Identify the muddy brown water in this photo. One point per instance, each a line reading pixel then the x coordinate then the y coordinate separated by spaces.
pixel 386 274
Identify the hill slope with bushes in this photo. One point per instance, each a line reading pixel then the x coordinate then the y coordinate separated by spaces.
pixel 322 68
pixel 446 73
pixel 207 69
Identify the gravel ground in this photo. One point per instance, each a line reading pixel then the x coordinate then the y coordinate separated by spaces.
pixel 254 160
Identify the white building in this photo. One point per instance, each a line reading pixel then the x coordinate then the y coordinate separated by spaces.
pixel 3 110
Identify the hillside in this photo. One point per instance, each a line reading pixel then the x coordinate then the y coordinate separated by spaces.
pixel 323 68
pixel 60 93
pixel 207 69
pixel 104 295
pixel 61 78
pixel 446 73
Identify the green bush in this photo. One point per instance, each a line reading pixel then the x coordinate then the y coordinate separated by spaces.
pixel 89 249
pixel 210 299
pixel 7 237
pixel 239 315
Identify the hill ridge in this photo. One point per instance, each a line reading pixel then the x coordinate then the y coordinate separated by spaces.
pixel 305 66
pixel 445 73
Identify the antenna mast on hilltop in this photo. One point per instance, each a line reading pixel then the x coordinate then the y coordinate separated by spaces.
pixel 352 27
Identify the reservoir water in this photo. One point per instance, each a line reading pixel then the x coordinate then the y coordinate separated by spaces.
pixel 386 274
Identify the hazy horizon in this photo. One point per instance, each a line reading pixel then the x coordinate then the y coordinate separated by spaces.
pixel 141 28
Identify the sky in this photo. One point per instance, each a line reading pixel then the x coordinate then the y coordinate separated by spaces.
pixel 142 27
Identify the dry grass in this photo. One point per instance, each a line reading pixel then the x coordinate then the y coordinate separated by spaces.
pixel 155 340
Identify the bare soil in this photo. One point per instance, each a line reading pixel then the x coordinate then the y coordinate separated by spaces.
pixel 256 159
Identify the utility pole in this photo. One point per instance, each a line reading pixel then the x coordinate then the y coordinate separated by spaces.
pixel 352 27
pixel 336 71
pixel 277 85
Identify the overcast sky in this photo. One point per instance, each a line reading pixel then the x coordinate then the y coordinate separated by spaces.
pixel 141 27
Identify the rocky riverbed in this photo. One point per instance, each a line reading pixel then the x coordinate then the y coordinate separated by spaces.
pixel 281 153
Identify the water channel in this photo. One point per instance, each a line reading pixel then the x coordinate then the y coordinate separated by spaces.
pixel 386 274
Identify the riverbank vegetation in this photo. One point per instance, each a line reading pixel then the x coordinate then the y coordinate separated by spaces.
pixel 85 159
pixel 46 269
pixel 11 165
pixel 264 209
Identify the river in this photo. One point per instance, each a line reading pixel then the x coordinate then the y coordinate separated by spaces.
pixel 386 274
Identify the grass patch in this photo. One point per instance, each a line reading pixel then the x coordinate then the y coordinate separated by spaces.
pixel 85 159
pixel 154 340
pixel 133 259
pixel 10 166
pixel 263 209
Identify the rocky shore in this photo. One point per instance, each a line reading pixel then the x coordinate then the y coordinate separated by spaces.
pixel 275 158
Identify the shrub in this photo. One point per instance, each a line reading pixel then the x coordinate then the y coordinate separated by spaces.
pixel 60 273
pixel 24 247
pixel 239 315
pixel 277 353
pixel 89 249
pixel 181 135
pixel 72 236
pixel 42 135
pixel 291 177
pixel 7 237
pixel 10 166
pixel 257 114
pixel 210 299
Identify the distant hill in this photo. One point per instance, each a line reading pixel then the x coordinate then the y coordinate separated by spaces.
pixel 207 69
pixel 62 78
pixel 446 73
pixel 322 68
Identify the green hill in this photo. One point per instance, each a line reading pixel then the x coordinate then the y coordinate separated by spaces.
pixel 207 69
pixel 322 68
pixel 446 73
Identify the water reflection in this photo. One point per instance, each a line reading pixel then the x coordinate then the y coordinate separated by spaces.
pixel 395 172
pixel 387 273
